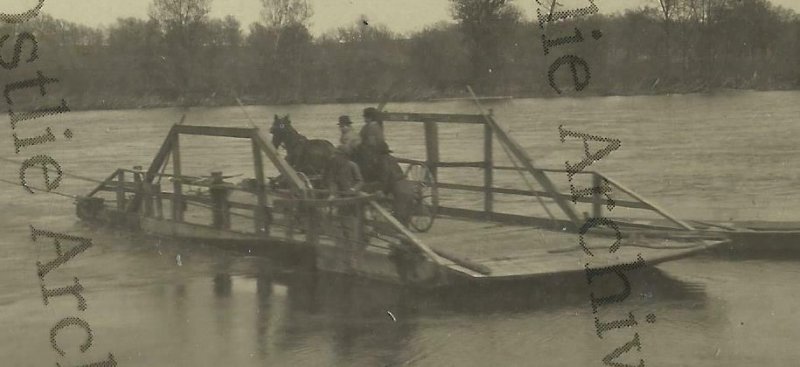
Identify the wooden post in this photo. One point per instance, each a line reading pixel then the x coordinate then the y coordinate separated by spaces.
pixel 148 199
pixel 147 196
pixel 153 170
pixel 137 178
pixel 120 190
pixel 360 222
pixel 432 150
pixel 312 224
pixel 177 186
pixel 140 189
pixel 289 217
pixel 219 202
pixel 259 213
pixel 488 170
pixel 155 189
pixel 597 196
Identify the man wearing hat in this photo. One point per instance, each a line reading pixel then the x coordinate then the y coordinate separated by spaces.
pixel 372 132
pixel 349 139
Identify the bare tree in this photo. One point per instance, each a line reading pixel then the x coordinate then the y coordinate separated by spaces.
pixel 283 13
pixel 485 23
pixel 668 9
pixel 180 13
pixel 183 23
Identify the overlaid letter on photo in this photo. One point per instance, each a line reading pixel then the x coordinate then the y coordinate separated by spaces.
pixel 399 183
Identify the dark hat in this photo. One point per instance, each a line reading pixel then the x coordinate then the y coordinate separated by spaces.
pixel 344 120
pixel 371 113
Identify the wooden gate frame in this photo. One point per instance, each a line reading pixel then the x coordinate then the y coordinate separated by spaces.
pixel 259 145
pixel 493 128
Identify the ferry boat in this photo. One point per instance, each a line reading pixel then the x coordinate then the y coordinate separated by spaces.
pixel 361 237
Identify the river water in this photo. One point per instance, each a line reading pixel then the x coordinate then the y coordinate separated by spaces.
pixel 154 303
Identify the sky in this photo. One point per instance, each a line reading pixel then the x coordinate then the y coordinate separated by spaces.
pixel 401 16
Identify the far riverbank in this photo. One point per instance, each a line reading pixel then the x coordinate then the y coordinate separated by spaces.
pixel 123 102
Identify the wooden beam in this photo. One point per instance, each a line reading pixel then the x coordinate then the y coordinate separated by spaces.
pixel 229 132
pixel 143 191
pixel 102 186
pixel 158 161
pixel 127 187
pixel 156 188
pixel 177 187
pixel 337 202
pixel 480 164
pixel 432 151
pixel 537 174
pixel 461 261
pixel 628 229
pixel 436 117
pixel 597 197
pixel 558 170
pixel 652 205
pixel 286 203
pixel 500 190
pixel 120 188
pixel 313 224
pixel 260 212
pixel 461 164
pixel 505 218
pixel 488 170
pixel 162 155
pixel 409 160
pixel 404 231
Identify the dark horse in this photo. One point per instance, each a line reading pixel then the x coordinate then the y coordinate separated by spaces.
pixel 380 170
pixel 309 156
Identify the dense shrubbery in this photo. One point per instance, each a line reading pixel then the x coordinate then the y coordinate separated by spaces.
pixel 198 60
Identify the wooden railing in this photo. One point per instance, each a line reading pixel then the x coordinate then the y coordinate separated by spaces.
pixel 340 220
pixel 525 165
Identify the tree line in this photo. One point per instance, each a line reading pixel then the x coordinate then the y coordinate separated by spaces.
pixel 179 55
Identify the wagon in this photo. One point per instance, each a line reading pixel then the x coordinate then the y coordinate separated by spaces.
pixel 425 201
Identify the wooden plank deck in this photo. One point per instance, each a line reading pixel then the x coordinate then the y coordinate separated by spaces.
pixel 512 251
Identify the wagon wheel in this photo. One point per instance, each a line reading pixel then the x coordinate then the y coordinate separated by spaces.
pixel 427 196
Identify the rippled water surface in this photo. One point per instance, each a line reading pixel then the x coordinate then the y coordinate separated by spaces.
pixel 713 157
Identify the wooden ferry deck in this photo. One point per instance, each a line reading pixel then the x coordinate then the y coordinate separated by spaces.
pixel 513 251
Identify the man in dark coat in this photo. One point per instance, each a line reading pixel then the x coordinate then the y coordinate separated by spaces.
pixel 372 132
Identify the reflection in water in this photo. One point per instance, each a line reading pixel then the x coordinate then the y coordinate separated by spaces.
pixel 223 312
pixel 180 294
pixel 263 293
pixel 777 250
pixel 551 293
pixel 343 321
pixel 222 285
pixel 359 320
pixel 249 310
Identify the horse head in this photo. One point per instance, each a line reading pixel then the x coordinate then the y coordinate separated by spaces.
pixel 281 129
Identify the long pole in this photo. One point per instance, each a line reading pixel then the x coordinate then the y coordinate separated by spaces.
pixel 40 189
pixel 526 162
pixel 387 95
pixel 241 105
pixel 164 167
